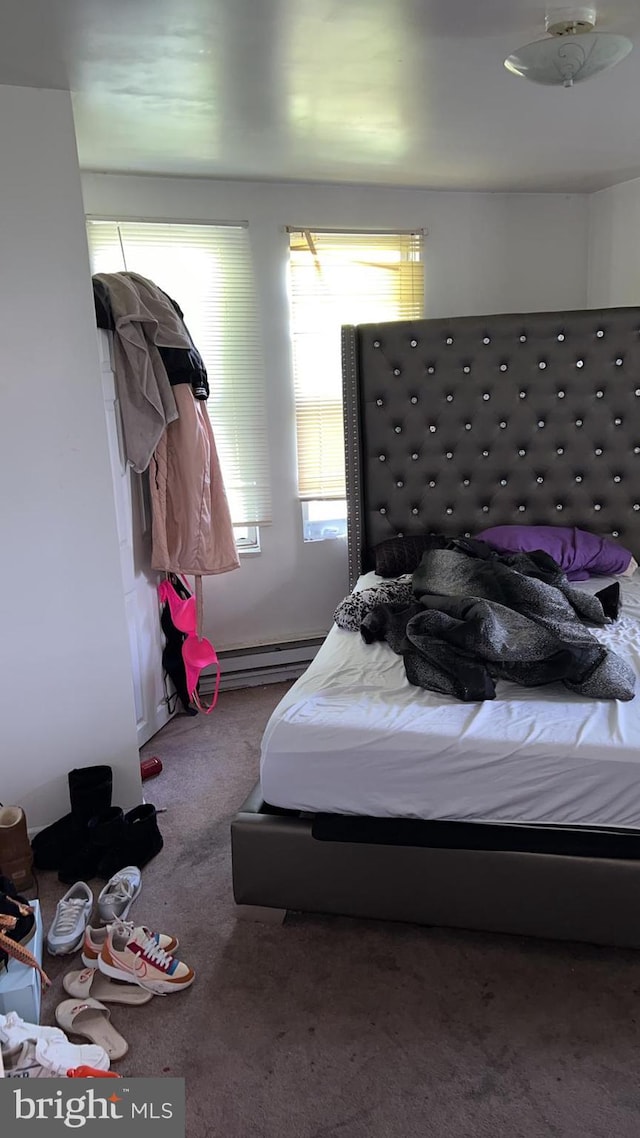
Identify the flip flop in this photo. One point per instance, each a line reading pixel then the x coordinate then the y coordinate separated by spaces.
pixel 91 982
pixel 90 1020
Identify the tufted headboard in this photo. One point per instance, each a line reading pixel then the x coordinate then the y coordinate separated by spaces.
pixel 455 425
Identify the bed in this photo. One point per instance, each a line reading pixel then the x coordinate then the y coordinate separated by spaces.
pixel 378 799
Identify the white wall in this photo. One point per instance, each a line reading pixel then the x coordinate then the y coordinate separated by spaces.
pixel 484 253
pixel 614 262
pixel 65 692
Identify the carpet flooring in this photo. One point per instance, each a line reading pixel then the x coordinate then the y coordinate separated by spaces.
pixel 337 1028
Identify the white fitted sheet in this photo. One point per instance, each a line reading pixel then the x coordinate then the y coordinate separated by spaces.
pixel 352 736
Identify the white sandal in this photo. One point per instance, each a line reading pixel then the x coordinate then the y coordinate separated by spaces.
pixel 92 983
pixel 90 1020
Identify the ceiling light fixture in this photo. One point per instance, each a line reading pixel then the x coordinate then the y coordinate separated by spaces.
pixel 572 53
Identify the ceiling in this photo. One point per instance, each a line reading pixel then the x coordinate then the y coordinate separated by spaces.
pixel 393 92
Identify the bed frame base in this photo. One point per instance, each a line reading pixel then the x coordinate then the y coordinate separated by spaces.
pixel 261 914
pixel 278 864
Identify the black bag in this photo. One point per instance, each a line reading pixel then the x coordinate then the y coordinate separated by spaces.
pixel 172 660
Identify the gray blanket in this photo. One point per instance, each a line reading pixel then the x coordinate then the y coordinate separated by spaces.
pixel 471 621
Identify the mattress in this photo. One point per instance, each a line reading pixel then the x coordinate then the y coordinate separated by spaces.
pixel 352 736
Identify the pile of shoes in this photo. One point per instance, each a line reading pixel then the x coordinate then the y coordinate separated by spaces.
pixel 96 838
pixel 124 963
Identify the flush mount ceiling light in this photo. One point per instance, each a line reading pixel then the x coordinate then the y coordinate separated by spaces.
pixel 572 53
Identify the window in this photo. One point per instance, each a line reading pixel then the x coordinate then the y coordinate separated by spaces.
pixel 247 538
pixel 324 519
pixel 336 279
pixel 207 269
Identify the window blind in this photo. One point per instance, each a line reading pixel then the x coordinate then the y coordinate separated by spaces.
pixel 336 279
pixel 207 270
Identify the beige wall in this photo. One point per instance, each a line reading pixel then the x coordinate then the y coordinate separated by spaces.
pixel 614 255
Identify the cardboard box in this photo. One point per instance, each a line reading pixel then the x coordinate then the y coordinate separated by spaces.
pixel 20 989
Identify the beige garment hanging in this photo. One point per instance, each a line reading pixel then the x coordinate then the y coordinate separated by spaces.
pixel 145 320
pixel 191 524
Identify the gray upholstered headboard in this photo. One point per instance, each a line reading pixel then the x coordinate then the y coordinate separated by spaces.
pixel 455 425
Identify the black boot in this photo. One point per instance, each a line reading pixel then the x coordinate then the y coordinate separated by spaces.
pixel 89 793
pixel 48 845
pixel 14 906
pixel 90 790
pixel 100 835
pixel 140 841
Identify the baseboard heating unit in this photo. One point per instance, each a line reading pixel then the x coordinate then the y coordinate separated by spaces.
pixel 262 664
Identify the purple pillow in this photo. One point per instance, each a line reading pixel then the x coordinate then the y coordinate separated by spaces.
pixel 579 553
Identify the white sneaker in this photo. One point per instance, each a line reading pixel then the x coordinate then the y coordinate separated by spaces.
pixel 95 938
pixel 118 895
pixel 71 919
pixel 29 1050
pixel 129 955
pixel 45 1059
pixel 14 1031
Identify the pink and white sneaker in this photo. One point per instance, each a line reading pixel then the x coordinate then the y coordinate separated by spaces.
pixel 95 938
pixel 131 955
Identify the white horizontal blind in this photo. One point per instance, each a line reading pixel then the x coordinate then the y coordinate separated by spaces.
pixel 207 270
pixel 336 279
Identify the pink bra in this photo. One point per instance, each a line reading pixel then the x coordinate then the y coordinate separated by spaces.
pixel 197 652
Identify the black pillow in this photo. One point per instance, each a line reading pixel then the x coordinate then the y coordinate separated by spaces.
pixel 398 555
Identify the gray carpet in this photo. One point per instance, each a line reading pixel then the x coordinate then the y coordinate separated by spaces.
pixel 337 1028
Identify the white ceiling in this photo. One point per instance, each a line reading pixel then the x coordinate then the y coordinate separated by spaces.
pixel 398 92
